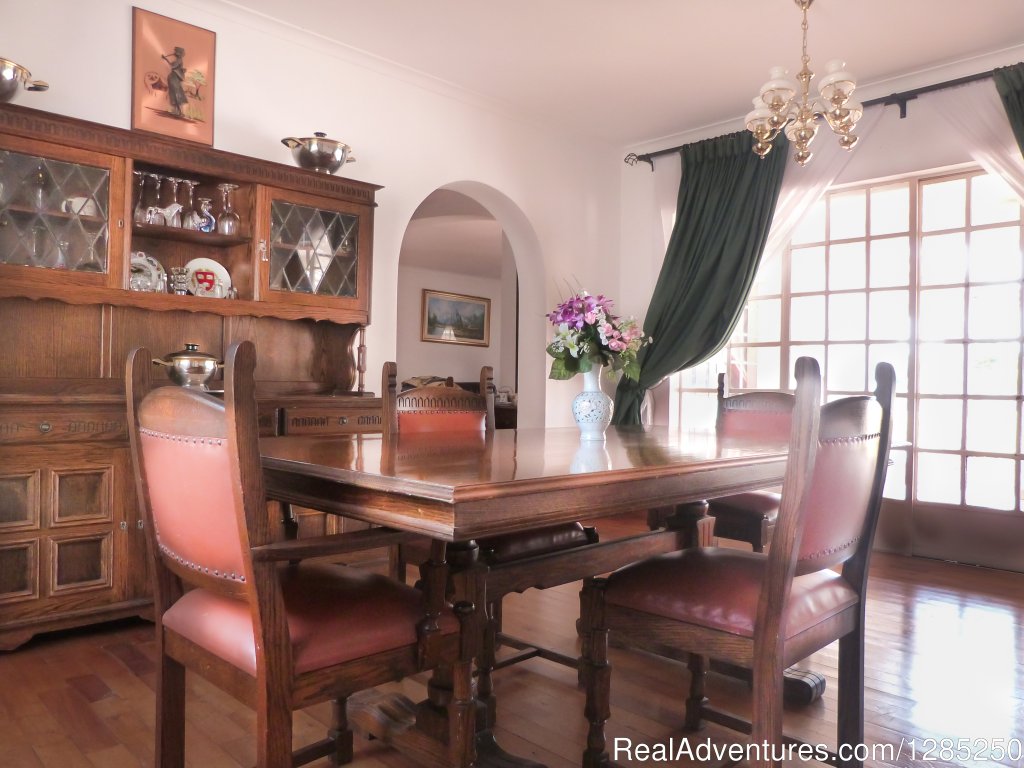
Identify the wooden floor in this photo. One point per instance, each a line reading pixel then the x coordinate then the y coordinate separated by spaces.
pixel 944 646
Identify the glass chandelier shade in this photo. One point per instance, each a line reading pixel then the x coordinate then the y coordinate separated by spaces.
pixel 785 104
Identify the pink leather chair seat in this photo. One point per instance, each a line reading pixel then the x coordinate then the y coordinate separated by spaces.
pixel 719 588
pixel 741 506
pixel 335 614
pixel 556 538
pixel 451 421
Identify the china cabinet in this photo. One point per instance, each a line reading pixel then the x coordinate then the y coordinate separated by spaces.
pixel 94 223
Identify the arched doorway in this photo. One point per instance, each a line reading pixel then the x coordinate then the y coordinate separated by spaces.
pixel 469 239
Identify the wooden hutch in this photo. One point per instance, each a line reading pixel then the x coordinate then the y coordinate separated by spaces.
pixel 75 250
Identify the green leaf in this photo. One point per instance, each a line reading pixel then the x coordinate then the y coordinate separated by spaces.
pixel 559 372
pixel 631 370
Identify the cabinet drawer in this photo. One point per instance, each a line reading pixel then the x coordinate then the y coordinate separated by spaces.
pixel 62 424
pixel 338 420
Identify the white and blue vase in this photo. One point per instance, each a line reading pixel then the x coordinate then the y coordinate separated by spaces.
pixel 592 408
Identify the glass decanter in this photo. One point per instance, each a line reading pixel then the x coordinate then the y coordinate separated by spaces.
pixel 206 221
pixel 228 220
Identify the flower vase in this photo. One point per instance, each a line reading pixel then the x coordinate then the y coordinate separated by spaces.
pixel 592 408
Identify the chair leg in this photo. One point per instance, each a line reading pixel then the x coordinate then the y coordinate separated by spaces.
pixel 598 674
pixel 698 674
pixel 170 714
pixel 850 728
pixel 766 717
pixel 273 731
pixel 340 733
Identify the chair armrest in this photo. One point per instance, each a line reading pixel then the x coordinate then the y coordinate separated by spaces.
pixel 336 544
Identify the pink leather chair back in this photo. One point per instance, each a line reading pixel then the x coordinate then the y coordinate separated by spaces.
pixel 765 415
pixel 839 497
pixel 446 408
pixel 184 447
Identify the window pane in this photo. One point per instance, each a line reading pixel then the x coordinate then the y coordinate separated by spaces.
pixel 769 277
pixel 943 259
pixel 995 255
pixel 807 318
pixel 994 312
pixel 811 228
pixel 938 478
pixel 764 320
pixel 846 266
pixel 992 368
pixel 992 200
pixel 890 209
pixel 990 482
pixel 847 369
pixel 699 410
pixel 846 215
pixel 940 369
pixel 940 424
pixel 846 316
pixel 896 476
pixel 943 204
pixel 754 368
pixel 900 412
pixel 890 315
pixel 807 270
pixel 890 262
pixel 941 314
pixel 992 426
pixel 796 351
pixel 897 355
pixel 703 376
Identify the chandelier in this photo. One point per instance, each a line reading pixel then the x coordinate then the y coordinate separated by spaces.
pixel 786 104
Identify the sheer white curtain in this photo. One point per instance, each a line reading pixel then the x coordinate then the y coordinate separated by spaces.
pixel 976 113
pixel 803 186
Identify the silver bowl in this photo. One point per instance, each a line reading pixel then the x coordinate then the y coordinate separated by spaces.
pixel 12 75
pixel 190 367
pixel 318 153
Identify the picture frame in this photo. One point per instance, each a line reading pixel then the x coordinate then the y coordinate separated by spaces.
pixel 453 318
pixel 173 79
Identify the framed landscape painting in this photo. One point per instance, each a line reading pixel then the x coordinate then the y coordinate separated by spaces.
pixel 172 77
pixel 451 318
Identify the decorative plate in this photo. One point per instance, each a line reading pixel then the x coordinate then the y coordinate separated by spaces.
pixel 147 274
pixel 203 276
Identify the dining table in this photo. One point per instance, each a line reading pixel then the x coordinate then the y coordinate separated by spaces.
pixel 457 488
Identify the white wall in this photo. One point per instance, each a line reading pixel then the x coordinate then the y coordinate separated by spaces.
pixel 556 196
pixel 430 358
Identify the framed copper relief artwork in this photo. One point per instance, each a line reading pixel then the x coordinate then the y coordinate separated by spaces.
pixel 172 77
pixel 451 318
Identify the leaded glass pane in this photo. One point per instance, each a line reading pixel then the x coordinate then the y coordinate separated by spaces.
pixel 313 250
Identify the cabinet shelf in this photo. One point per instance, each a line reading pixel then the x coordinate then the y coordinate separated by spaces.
pixel 51 213
pixel 162 232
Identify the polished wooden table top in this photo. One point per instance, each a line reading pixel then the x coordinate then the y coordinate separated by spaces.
pixel 459 486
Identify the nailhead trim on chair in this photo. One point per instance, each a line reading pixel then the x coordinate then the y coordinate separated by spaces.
pixel 199 568
pixel 831 550
pixel 182 438
pixel 854 439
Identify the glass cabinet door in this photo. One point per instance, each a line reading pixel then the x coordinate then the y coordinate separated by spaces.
pixel 313 251
pixel 53 214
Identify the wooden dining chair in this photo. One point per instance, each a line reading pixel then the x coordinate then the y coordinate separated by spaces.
pixel 764 611
pixel 751 516
pixel 506 561
pixel 243 611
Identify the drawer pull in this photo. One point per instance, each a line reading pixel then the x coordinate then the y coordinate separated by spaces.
pixel 45 426
pixel 124 525
pixel 343 420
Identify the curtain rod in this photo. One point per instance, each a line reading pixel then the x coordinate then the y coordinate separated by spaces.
pixel 901 98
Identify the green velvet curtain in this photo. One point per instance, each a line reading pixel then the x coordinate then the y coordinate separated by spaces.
pixel 726 201
pixel 1010 84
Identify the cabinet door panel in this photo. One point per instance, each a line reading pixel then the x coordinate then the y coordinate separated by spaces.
pixel 79 563
pixel 80 496
pixel 19 571
pixel 19 501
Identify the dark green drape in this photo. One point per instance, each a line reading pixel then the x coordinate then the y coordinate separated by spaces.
pixel 726 201
pixel 1010 84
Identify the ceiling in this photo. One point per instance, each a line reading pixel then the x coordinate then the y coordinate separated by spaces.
pixel 633 72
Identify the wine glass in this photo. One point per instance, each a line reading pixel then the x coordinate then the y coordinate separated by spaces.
pixel 189 219
pixel 139 214
pixel 172 211
pixel 153 213
pixel 228 220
